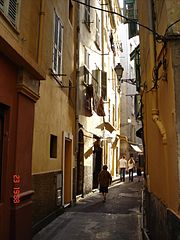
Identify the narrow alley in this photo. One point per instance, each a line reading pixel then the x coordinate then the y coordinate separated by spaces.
pixel 118 218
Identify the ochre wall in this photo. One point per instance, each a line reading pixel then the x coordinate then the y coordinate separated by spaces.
pixel 161 159
pixel 54 112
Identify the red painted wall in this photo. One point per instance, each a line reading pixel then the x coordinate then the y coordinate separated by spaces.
pixel 15 218
pixel 8 76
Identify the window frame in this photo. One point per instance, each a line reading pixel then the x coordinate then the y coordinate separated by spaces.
pixel 57 45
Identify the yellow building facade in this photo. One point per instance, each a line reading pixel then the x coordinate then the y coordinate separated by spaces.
pixel 53 156
pixel 159 47
pixel 98 97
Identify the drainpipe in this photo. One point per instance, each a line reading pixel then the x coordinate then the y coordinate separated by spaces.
pixel 77 100
pixel 155 110
pixel 155 117
pixel 41 27
pixel 102 66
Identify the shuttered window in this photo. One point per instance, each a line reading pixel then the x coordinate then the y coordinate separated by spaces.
pixel 58 43
pixel 130 11
pixel 10 10
pixel 97 39
pixel 87 13
pixel 104 85
pixel 1 4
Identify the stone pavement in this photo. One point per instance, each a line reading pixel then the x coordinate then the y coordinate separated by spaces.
pixel 118 218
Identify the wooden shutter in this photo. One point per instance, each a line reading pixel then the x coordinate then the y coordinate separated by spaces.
pixel 104 85
pixel 97 31
pixel 87 13
pixel 12 11
pixel 2 4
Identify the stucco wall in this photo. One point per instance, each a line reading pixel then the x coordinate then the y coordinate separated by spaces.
pixel 53 113
pixel 161 158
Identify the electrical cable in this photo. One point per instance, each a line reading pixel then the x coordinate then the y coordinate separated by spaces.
pixel 171 26
pixel 126 18
pixel 159 38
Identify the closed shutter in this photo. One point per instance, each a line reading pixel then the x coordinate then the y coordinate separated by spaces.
pixel 133 30
pixel 2 4
pixel 95 82
pixel 97 31
pixel 87 13
pixel 104 85
pixel 12 11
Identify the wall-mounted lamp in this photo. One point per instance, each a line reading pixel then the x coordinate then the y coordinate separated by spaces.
pixel 119 71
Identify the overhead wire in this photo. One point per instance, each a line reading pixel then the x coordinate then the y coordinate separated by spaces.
pixel 160 38
pixel 126 18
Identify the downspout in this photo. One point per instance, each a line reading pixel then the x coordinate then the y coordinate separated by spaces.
pixel 155 117
pixel 41 27
pixel 155 110
pixel 102 66
pixel 77 99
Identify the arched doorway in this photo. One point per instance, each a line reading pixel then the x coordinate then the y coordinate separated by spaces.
pixel 80 163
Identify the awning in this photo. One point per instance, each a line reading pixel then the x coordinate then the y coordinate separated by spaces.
pixel 88 152
pixel 123 137
pixel 107 126
pixel 136 148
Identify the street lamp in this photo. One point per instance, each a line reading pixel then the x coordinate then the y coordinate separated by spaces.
pixel 119 71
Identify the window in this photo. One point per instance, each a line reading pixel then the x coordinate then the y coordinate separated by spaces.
pixel 10 10
pixel 86 66
pixel 104 85
pixel 87 13
pixel 70 12
pixel 97 39
pixel 58 43
pixel 135 55
pixel 86 75
pixel 53 146
pixel 86 57
pixel 130 9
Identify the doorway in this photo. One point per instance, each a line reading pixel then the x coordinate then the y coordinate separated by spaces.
pixel 67 171
pixel 97 162
pixel 80 164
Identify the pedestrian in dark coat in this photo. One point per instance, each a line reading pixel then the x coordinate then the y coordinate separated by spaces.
pixel 104 179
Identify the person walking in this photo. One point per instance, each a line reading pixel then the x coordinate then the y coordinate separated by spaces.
pixel 123 168
pixel 131 165
pixel 104 179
